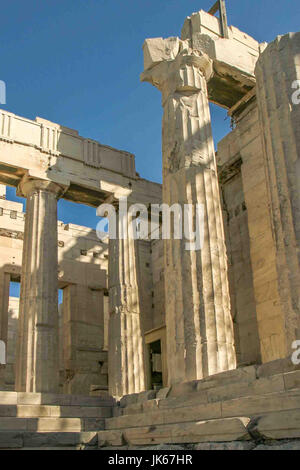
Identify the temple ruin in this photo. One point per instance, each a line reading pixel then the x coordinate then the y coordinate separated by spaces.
pixel 153 343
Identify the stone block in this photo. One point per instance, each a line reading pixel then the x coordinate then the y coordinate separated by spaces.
pixel 254 405
pixel 141 419
pixel 236 390
pixel 59 439
pixel 24 398
pixel 13 424
pixel 37 411
pixel 110 438
pixel 88 438
pixel 278 425
pixel 117 411
pixel 11 440
pixel 191 399
pixel 163 393
pixel 276 367
pixel 158 49
pixel 82 412
pixel 8 398
pixel 92 424
pixel 135 408
pixel 151 405
pixel 129 400
pixel 217 430
pixel 144 396
pixel 292 380
pixel 243 374
pixel 99 393
pixel 8 410
pixel 81 400
pixel 54 424
pixel 177 390
pixel 192 413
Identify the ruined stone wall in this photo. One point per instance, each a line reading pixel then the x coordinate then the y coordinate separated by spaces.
pixel 235 217
pixel 260 231
pixel 277 71
pixel 251 242
pixel 270 314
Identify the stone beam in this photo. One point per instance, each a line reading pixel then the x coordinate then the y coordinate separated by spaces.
pixel 45 150
pixel 234 58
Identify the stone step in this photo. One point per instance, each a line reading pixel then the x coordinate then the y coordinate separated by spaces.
pixel 281 374
pixel 244 406
pixel 216 430
pixel 54 411
pixel 260 405
pixel 279 383
pixel 51 424
pixel 47 440
pixel 244 375
pixel 23 398
pixel 276 425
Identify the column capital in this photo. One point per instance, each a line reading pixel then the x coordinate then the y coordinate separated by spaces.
pixel 29 185
pixel 172 66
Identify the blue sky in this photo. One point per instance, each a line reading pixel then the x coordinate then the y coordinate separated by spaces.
pixel 77 63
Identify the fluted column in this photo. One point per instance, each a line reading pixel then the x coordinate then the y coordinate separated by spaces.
pixel 278 76
pixel 200 339
pixel 37 368
pixel 126 354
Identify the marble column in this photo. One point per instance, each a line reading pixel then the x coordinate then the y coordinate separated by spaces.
pixel 278 79
pixel 126 353
pixel 200 340
pixel 37 367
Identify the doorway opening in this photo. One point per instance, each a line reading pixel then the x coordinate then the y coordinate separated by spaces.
pixel 12 319
pixel 156 377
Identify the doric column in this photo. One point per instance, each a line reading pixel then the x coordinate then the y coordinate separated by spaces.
pixel 198 320
pixel 126 368
pixel 278 78
pixel 37 368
